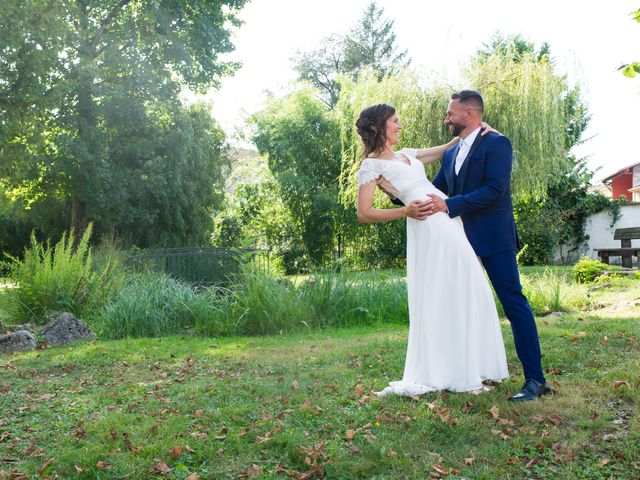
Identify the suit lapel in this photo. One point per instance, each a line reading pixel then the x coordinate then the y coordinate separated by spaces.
pixel 462 174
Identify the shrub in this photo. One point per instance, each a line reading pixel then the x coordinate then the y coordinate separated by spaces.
pixel 587 269
pixel 61 278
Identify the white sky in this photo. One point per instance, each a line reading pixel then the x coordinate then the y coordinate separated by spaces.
pixel 589 41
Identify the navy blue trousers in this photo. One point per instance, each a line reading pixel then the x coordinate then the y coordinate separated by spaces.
pixel 502 269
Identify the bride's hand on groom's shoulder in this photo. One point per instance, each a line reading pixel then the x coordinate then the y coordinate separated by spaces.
pixel 486 128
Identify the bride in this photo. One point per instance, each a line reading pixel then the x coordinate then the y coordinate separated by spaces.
pixel 455 341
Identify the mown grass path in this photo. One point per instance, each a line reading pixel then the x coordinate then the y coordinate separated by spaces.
pixel 301 406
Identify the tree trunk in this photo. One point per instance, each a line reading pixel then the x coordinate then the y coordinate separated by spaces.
pixel 78 218
pixel 87 130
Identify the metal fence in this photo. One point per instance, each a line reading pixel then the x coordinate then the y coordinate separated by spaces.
pixel 199 265
pixel 216 265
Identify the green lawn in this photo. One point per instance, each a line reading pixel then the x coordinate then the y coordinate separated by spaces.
pixel 301 405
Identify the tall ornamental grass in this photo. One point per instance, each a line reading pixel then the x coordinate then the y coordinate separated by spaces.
pixel 59 278
pixel 260 304
pixel 551 291
pixel 152 304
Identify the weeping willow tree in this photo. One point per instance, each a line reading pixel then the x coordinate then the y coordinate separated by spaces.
pixel 536 109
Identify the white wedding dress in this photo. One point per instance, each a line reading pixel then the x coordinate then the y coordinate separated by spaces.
pixel 455 341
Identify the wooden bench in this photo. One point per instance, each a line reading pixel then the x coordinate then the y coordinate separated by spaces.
pixel 625 235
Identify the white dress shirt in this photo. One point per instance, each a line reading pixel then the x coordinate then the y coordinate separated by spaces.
pixel 465 146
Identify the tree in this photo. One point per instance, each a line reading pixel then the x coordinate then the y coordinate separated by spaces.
pixel 322 66
pixel 632 69
pixel 302 141
pixel 525 99
pixel 371 44
pixel 166 179
pixel 77 75
pixel 514 46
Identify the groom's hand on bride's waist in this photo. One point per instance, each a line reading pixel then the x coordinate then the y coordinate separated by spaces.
pixel 436 205
pixel 418 209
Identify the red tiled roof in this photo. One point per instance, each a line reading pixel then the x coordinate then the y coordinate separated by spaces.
pixel 621 171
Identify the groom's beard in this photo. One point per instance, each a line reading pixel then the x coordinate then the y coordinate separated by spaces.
pixel 456 129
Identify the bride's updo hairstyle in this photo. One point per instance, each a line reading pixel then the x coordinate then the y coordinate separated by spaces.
pixel 372 127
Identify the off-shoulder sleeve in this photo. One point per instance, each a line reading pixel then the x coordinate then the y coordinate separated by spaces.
pixel 368 173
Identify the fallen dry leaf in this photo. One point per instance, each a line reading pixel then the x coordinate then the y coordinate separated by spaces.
pixel 439 469
pixel 555 419
pixel 16 475
pixel 44 466
pixel 128 444
pixel 252 471
pixel 176 451
pixel 294 385
pixel 469 461
pixel 193 476
pixel 352 448
pixel 350 434
pixel 495 412
pixel 160 468
pixel 620 383
pixel 102 465
pixel 495 432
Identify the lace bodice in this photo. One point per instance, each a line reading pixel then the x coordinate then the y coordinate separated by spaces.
pixel 406 181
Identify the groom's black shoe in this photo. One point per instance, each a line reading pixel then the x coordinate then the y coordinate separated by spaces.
pixel 532 389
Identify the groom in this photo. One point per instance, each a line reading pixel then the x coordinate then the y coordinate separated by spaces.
pixel 476 175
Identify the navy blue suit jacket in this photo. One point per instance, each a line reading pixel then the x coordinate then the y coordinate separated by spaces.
pixel 481 193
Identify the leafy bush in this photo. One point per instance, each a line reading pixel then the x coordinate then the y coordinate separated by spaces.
pixel 61 278
pixel 588 269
